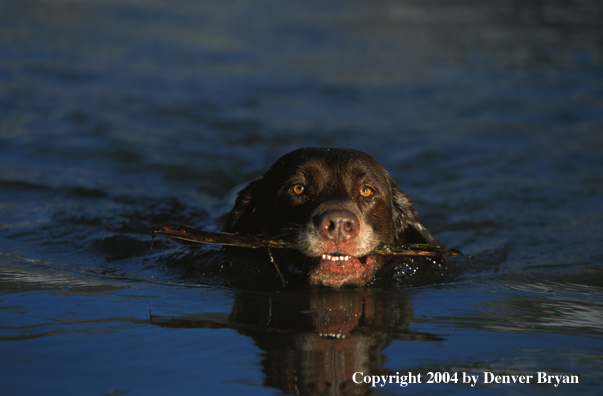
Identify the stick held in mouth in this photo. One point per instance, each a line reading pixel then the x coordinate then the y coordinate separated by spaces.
pixel 191 234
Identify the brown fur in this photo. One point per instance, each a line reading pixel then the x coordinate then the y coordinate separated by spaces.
pixel 332 224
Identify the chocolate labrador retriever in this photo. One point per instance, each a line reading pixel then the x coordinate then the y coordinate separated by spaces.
pixel 335 206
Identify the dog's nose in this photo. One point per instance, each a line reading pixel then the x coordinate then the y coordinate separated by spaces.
pixel 338 225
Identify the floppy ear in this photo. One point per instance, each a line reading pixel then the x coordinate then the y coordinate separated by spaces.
pixel 245 217
pixel 408 228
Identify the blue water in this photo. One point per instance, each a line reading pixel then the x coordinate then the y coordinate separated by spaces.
pixel 117 118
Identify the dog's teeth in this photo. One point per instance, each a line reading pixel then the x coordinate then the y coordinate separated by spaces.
pixel 338 336
pixel 335 258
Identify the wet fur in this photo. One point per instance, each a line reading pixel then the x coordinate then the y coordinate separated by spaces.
pixel 332 179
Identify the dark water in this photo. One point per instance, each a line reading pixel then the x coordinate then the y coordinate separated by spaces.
pixel 120 117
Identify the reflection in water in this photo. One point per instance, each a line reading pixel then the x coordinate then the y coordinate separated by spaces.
pixel 315 341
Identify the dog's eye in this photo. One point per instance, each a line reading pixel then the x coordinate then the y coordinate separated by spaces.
pixel 298 189
pixel 366 191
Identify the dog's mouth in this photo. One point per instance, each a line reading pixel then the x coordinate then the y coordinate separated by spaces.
pixel 336 270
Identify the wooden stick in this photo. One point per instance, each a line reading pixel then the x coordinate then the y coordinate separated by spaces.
pixel 191 234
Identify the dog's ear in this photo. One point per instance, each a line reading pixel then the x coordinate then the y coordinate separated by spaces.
pixel 245 217
pixel 408 228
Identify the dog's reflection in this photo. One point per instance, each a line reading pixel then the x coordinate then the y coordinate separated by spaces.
pixel 315 341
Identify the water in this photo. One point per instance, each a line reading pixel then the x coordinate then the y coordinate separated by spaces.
pixel 120 117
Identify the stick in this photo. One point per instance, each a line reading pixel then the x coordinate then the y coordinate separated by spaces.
pixel 280 274
pixel 256 241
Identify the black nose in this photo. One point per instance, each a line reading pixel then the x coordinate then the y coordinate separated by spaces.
pixel 338 225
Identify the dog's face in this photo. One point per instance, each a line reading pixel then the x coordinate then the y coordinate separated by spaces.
pixel 335 206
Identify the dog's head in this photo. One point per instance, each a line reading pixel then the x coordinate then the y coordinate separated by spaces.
pixel 336 206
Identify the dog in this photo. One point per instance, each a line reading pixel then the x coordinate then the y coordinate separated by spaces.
pixel 335 206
